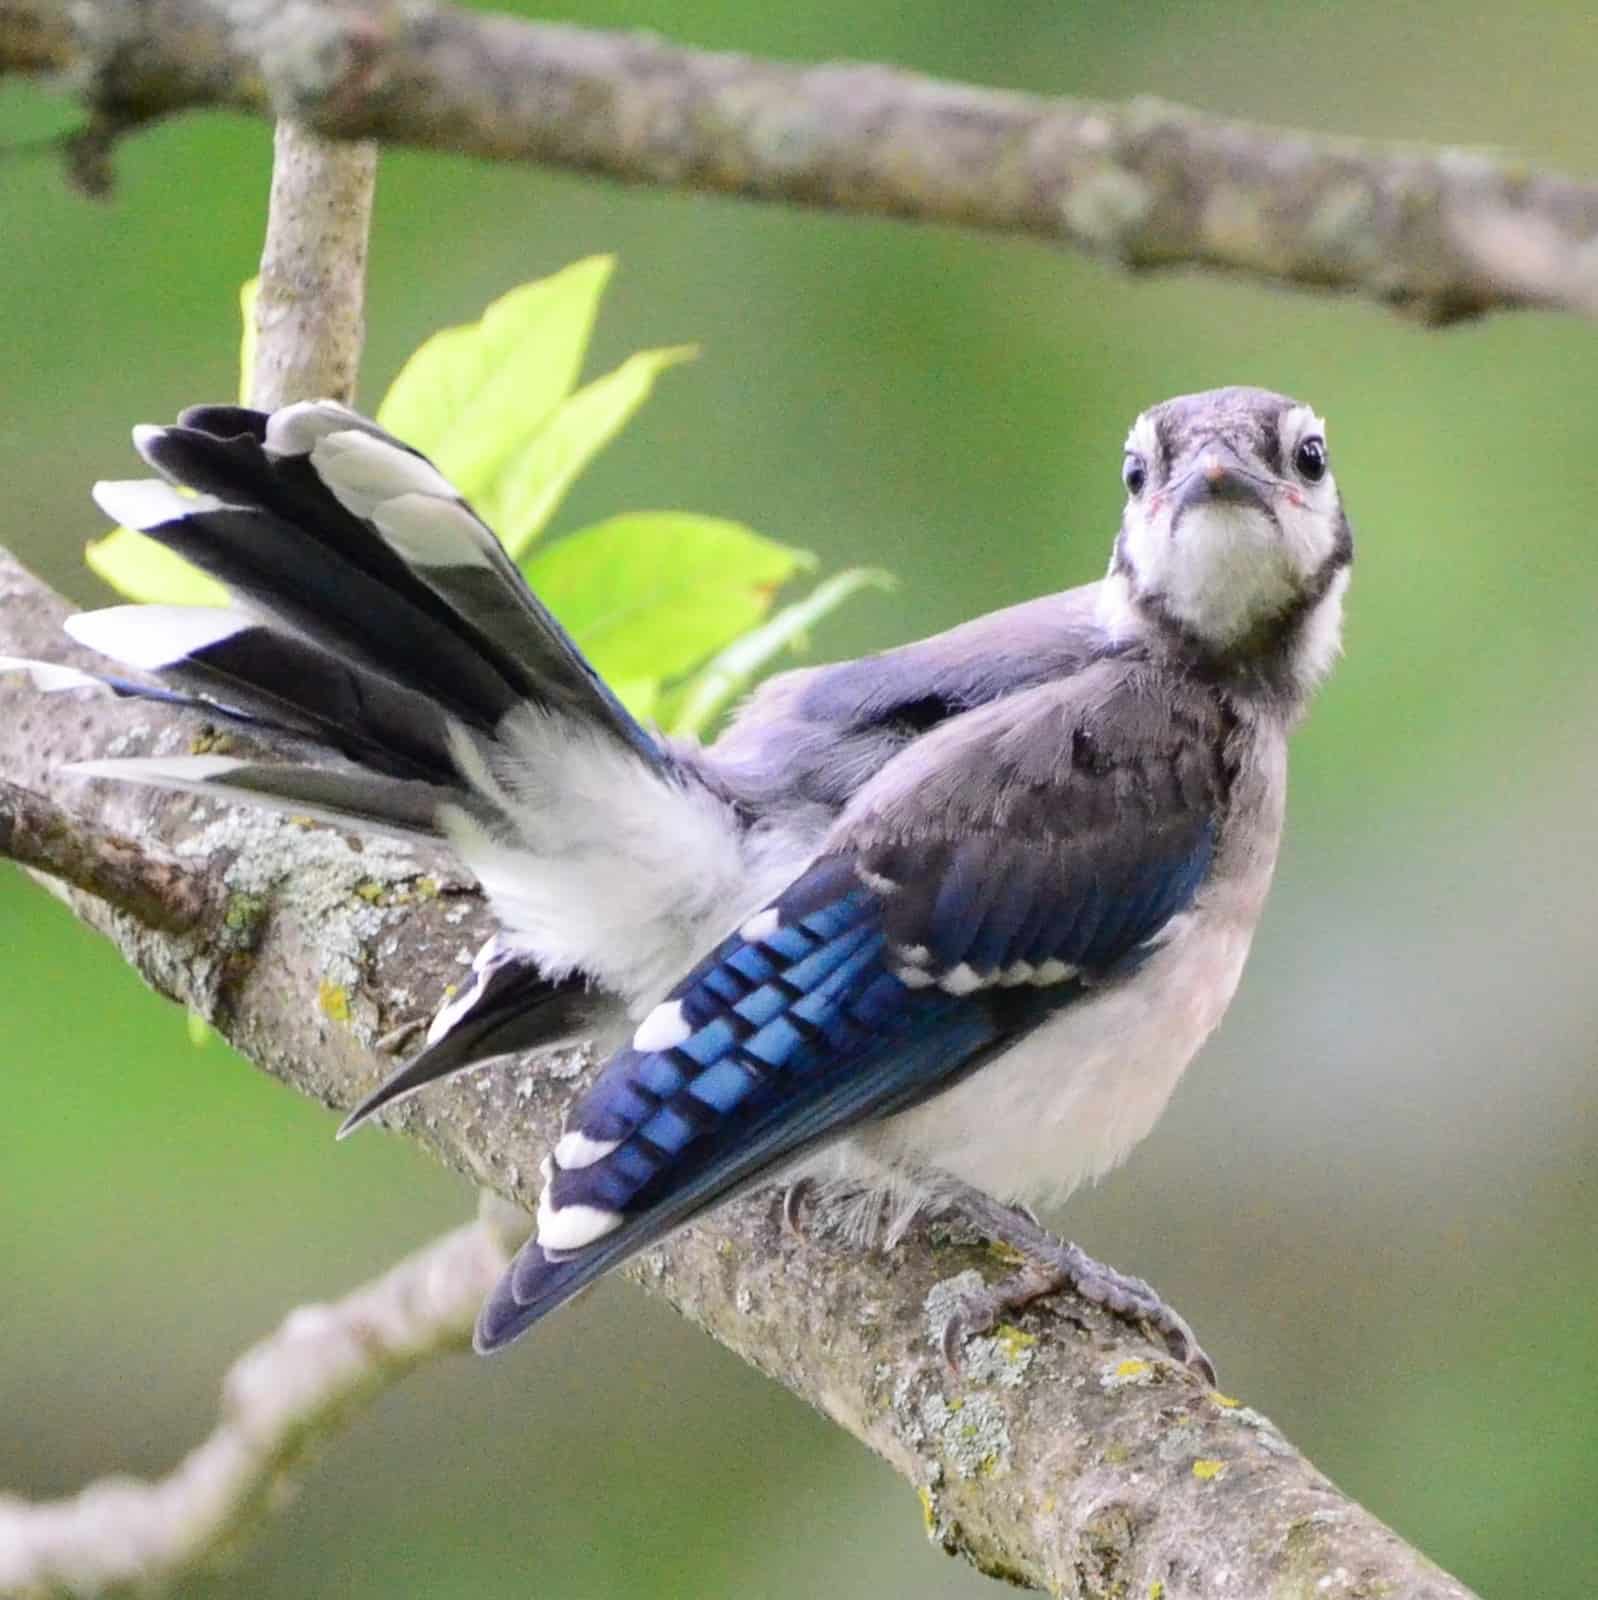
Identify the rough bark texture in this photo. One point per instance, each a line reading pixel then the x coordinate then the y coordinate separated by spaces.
pixel 36 832
pixel 1442 234
pixel 309 311
pixel 1068 1453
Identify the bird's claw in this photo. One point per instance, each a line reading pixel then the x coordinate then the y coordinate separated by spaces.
pixel 1050 1265
pixel 1137 1300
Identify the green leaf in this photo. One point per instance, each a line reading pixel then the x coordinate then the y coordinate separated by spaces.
pixel 471 396
pixel 696 704
pixel 534 482
pixel 650 595
pixel 143 570
pixel 249 292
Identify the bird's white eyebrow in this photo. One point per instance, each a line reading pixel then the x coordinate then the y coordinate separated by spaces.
pixel 1298 422
pixel 1144 439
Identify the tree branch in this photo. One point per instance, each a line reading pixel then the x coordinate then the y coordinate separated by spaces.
pixel 1442 234
pixel 1068 1453
pixel 156 891
pixel 310 319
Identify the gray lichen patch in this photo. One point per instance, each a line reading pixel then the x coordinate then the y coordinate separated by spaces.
pixel 946 1298
pixel 1002 1359
pixel 1264 1429
pixel 343 894
pixel 1180 1443
pixel 1104 207
pixel 971 1434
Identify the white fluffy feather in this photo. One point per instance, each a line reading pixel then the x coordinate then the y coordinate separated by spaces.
pixel 605 865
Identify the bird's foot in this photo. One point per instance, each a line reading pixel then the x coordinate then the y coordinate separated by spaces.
pixel 1049 1265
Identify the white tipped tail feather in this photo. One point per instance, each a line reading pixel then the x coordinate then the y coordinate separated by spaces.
pixel 153 637
pixel 146 503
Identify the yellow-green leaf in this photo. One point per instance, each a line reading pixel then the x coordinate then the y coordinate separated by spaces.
pixel 472 395
pixel 652 594
pixel 143 570
pixel 641 696
pixel 704 696
pixel 535 480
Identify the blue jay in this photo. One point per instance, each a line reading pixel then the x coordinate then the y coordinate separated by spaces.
pixel 959 912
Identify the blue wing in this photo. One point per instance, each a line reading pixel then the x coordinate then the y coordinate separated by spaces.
pixel 871 982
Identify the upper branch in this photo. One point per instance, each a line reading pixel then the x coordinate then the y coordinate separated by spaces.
pixel 1442 234
pixel 1065 1446
pixel 310 307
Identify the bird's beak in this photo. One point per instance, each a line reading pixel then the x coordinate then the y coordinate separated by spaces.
pixel 1219 478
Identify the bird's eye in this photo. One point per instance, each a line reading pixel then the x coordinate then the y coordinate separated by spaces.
pixel 1310 458
pixel 1134 474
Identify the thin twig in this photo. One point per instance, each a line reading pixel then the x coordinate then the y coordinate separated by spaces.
pixel 127 874
pixel 281 1399
pixel 1439 233
pixel 309 311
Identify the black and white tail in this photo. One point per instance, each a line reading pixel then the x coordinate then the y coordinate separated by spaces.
pixel 377 617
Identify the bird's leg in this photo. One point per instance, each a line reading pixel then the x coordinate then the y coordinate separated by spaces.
pixel 1048 1265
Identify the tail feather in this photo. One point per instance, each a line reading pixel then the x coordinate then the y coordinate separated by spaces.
pixel 407 807
pixel 339 480
pixel 316 591
pixel 236 661
pixel 380 624
pixel 508 1006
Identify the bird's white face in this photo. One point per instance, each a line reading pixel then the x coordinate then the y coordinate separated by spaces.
pixel 1233 523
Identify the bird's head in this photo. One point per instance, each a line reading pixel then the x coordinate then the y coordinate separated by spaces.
pixel 1233 540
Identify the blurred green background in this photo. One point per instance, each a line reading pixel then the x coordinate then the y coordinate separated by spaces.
pixel 1373 1196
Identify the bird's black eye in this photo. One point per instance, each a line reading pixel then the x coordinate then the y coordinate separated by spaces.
pixel 1134 474
pixel 1310 458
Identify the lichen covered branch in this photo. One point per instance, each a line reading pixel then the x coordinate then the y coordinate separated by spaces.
pixel 1439 233
pixel 1066 1448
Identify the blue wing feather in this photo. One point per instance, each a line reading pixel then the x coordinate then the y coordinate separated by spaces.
pixel 805 1028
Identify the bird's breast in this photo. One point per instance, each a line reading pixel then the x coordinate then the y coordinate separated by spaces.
pixel 1069 1100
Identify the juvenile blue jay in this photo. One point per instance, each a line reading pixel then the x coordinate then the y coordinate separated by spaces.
pixel 962 910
